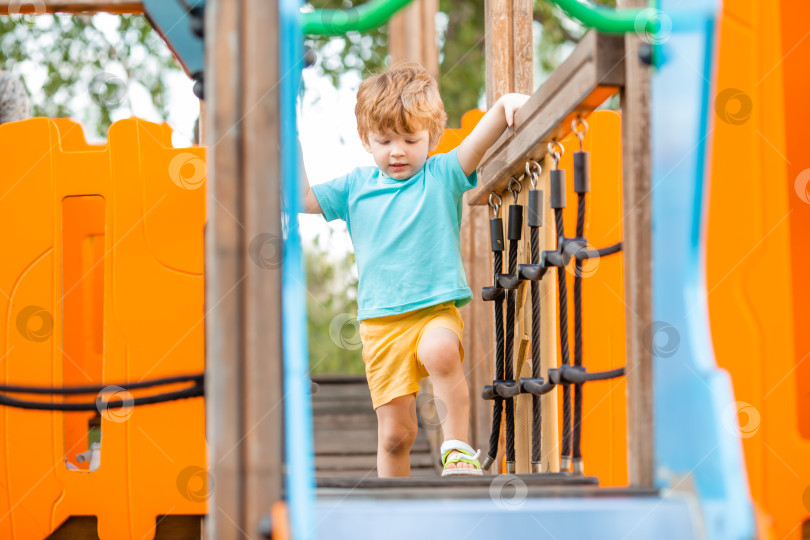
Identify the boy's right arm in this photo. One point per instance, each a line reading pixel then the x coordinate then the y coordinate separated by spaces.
pixel 311 204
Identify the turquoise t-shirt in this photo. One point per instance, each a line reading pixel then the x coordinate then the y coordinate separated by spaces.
pixel 405 234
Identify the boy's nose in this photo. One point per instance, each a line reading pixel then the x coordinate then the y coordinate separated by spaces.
pixel 397 151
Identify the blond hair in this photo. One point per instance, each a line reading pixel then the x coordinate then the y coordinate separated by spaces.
pixel 404 99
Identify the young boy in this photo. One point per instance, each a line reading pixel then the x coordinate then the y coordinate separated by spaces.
pixel 403 217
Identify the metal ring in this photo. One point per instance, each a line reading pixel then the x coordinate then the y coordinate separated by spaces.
pixel 496 207
pixel 555 155
pixel 515 191
pixel 579 121
pixel 534 175
pixel 554 143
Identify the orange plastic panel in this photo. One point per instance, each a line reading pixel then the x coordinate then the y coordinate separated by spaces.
pixel 102 283
pixel 758 250
pixel 453 137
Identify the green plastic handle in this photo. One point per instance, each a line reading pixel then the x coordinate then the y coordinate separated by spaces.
pixel 609 20
pixel 333 22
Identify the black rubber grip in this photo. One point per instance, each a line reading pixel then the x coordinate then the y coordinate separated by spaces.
pixel 582 182
pixel 535 208
pixel 557 183
pixel 515 221
pixel 496 234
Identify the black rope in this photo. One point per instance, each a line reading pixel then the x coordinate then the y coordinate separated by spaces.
pixel 195 390
pixel 601 252
pixel 72 390
pixel 497 409
pixel 508 358
pixel 577 454
pixel 537 419
pixel 563 297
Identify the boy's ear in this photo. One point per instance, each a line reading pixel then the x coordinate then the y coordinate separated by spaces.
pixel 364 140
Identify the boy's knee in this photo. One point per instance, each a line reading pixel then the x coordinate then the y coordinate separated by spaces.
pixel 440 356
pixel 397 438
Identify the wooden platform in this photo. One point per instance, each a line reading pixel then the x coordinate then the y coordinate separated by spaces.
pixel 539 485
pixel 345 430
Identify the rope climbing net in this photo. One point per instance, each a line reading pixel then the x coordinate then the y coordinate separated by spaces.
pixel 504 388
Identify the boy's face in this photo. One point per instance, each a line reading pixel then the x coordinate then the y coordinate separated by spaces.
pixel 398 156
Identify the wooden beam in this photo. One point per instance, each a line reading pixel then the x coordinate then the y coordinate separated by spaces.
pixel 40 7
pixel 243 266
pixel 592 73
pixel 412 35
pixel 637 252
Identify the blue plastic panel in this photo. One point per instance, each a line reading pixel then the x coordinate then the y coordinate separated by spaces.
pixel 691 394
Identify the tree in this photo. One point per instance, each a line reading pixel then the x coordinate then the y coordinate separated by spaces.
pixel 99 57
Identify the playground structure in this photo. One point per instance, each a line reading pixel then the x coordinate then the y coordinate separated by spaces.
pixel 685 273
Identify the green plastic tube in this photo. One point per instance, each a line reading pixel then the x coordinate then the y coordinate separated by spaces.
pixel 609 20
pixel 333 22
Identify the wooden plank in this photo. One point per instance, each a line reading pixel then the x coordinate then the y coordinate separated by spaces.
pixel 366 462
pixel 243 314
pixel 224 270
pixel 355 442
pixel 592 73
pixel 637 252
pixel 412 35
pixel 263 375
pixel 40 7
pixel 477 485
pixel 549 403
pixel 416 472
pixel 411 488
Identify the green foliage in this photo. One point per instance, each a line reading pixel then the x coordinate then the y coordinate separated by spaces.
pixel 89 64
pixel 462 69
pixel 334 341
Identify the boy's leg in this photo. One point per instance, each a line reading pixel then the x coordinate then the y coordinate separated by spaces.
pixel 396 433
pixel 439 353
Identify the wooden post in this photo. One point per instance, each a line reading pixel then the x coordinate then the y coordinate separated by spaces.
pixel 509 65
pixel 243 266
pixel 637 258
pixel 412 35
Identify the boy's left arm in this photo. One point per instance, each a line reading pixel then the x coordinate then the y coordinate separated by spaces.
pixel 488 130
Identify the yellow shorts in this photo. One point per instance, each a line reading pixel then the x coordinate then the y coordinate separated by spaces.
pixel 390 344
